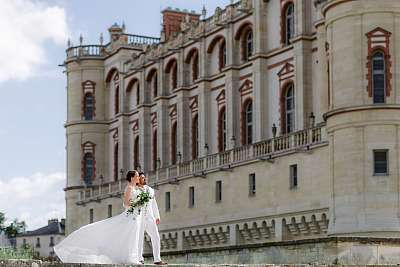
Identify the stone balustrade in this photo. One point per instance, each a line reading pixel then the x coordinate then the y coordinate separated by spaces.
pixel 300 141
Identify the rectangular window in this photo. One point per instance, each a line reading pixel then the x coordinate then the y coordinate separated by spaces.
pixel 109 211
pixel 90 215
pixel 252 184
pixel 293 176
pixel 381 162
pixel 191 197
pixel 167 201
pixel 51 241
pixel 38 242
pixel 218 191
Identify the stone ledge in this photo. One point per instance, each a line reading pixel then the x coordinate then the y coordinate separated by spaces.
pixel 361 240
pixel 38 263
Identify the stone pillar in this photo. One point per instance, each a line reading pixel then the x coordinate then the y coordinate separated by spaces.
pixel 233 107
pixel 163 132
pixel 183 120
pixel 145 136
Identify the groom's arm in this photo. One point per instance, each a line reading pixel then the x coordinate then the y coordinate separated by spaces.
pixel 154 207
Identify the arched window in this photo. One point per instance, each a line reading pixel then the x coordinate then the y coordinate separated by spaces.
pixel 88 103
pixel 195 137
pixel 222 55
pixel 222 130
pixel 88 168
pixel 288 23
pixel 195 67
pixel 136 153
pixel 155 85
pixel 289 109
pixel 171 71
pixel 88 107
pixel 154 145
pixel 116 103
pixel 138 94
pixel 174 142
pixel 378 77
pixel 88 162
pixel 249 45
pixel 116 162
pixel 247 123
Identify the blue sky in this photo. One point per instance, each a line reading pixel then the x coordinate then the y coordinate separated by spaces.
pixel 33 90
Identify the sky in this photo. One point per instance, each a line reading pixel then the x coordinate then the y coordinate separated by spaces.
pixel 34 35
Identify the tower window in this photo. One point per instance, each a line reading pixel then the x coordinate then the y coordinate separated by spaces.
pixel 91 216
pixel 293 176
pixel 252 184
pixel 191 197
pixel 380 162
pixel 218 191
pixel 378 77
pixel 167 201
pixel 109 211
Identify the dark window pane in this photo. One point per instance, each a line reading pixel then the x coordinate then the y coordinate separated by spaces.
pixel 380 162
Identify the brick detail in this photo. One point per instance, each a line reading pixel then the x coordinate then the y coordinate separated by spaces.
pixel 379 40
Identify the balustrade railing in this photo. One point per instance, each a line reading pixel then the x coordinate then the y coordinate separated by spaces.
pixel 270 147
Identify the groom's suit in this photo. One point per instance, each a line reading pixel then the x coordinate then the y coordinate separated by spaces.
pixel 149 225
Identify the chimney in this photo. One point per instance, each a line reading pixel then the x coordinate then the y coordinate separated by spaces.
pixel 172 19
pixel 52 221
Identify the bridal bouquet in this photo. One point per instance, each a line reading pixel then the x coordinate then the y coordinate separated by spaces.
pixel 141 201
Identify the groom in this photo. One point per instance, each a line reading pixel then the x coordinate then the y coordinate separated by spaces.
pixel 149 224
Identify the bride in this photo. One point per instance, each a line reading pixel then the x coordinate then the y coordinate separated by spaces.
pixel 112 240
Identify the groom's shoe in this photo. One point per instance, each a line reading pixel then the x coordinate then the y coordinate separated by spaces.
pixel 160 263
pixel 142 262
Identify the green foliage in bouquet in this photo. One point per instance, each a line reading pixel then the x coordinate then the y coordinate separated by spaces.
pixel 136 204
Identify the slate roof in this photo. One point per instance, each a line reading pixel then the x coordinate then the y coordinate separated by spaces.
pixel 53 228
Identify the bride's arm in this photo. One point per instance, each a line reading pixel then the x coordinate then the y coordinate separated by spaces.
pixel 127 196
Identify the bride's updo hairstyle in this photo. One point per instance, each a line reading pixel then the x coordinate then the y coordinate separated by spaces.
pixel 131 174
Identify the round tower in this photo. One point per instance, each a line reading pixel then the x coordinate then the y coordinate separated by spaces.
pixel 85 125
pixel 363 117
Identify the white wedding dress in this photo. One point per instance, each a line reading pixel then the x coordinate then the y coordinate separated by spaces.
pixel 112 240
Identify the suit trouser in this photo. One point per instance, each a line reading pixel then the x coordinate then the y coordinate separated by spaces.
pixel 149 225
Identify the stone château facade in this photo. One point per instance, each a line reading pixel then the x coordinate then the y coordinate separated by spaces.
pixel 272 122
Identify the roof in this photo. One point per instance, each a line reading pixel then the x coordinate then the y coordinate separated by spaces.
pixel 53 228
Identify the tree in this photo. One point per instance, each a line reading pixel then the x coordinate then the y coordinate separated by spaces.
pixel 15 228
pixel 2 221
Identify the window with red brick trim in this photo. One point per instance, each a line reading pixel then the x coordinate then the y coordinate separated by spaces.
pixel 247 122
pixel 88 101
pixel 174 142
pixel 88 106
pixel 88 163
pixel 379 65
pixel 222 135
pixel 195 136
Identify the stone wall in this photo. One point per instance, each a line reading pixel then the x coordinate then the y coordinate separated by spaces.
pixel 344 250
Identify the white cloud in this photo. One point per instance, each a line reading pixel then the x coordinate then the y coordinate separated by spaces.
pixel 25 27
pixel 34 199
